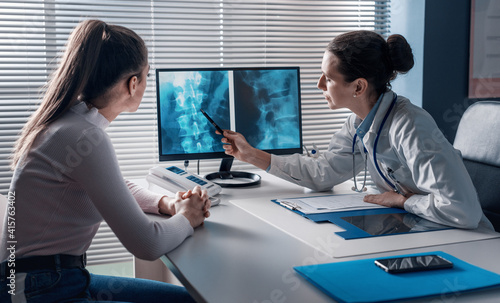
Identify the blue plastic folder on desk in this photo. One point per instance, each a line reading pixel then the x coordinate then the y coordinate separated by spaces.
pixel 372 222
pixel 363 281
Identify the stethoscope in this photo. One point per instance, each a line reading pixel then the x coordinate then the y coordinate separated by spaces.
pixel 390 173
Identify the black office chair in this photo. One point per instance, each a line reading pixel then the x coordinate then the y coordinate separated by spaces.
pixel 478 138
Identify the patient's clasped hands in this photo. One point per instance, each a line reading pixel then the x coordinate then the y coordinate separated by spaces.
pixel 193 204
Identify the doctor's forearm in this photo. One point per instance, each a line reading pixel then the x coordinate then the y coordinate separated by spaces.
pixel 259 158
pixel 446 212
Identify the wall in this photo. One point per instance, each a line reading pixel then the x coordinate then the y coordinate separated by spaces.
pixel 446 62
pixel 407 19
pixel 439 33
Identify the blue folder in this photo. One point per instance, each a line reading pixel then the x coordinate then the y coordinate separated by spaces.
pixel 360 223
pixel 363 281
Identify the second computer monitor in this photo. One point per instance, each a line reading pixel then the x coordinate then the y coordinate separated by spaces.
pixel 261 103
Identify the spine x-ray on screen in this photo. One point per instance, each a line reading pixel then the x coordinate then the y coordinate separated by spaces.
pixel 262 104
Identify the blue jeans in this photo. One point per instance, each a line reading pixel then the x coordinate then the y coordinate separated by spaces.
pixel 77 285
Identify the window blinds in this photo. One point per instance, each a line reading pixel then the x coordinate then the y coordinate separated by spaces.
pixel 202 33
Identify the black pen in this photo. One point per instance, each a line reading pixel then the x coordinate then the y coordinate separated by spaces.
pixel 212 121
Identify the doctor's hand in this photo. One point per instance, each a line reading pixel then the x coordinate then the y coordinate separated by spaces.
pixel 237 146
pixel 389 199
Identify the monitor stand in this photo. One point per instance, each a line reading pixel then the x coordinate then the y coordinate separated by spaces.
pixel 227 178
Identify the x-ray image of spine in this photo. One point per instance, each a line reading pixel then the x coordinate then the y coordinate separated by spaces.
pixel 269 118
pixel 183 95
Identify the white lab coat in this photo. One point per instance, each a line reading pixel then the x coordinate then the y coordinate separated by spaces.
pixel 411 144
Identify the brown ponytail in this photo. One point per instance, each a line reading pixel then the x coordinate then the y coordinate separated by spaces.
pixel 97 56
pixel 365 54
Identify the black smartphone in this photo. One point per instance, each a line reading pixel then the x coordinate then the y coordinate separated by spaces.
pixel 414 263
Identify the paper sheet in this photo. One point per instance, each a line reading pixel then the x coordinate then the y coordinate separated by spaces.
pixel 329 203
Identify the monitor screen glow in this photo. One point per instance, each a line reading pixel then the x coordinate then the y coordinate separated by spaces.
pixel 261 103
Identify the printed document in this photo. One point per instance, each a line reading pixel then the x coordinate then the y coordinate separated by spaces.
pixel 329 203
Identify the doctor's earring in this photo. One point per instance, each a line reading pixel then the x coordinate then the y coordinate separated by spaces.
pixel 354 95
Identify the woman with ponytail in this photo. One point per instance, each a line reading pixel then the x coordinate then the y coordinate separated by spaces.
pixel 413 166
pixel 67 181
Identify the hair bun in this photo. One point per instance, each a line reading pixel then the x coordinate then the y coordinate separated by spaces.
pixel 400 53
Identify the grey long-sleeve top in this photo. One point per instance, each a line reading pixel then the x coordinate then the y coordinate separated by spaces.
pixel 70 181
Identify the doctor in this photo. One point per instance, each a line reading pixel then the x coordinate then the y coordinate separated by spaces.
pixel 398 143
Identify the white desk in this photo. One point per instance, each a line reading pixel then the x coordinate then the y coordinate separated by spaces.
pixel 247 254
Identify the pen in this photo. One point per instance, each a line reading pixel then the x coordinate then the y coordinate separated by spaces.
pixel 397 186
pixel 212 121
pixel 315 151
pixel 289 205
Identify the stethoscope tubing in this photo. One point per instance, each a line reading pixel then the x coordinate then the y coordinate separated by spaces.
pixel 375 146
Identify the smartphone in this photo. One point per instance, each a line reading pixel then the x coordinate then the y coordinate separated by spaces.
pixel 414 263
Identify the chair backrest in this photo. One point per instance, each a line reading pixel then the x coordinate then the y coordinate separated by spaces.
pixel 478 138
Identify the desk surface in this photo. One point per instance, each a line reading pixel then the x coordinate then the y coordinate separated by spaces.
pixel 247 254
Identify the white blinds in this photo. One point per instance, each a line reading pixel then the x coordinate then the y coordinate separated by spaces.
pixel 202 33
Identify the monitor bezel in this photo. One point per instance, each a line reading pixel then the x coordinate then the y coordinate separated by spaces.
pixel 219 155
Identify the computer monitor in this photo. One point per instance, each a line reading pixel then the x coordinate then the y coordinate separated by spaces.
pixel 261 103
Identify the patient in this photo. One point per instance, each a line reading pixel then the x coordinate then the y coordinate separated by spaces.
pixel 67 181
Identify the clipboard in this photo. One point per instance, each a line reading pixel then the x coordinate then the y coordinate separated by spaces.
pixel 372 222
